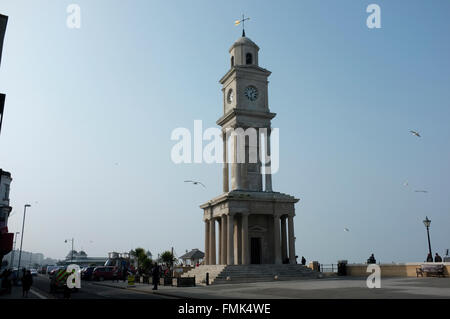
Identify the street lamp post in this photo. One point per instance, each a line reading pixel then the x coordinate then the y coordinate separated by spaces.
pixel 14 249
pixel 427 223
pixel 21 239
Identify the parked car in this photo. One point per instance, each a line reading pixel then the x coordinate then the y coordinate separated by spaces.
pixel 86 273
pixel 104 273
pixel 51 269
pixel 34 272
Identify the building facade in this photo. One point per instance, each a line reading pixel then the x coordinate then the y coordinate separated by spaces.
pixel 193 257
pixel 3 23
pixel 255 225
pixel 28 259
pixel 81 258
pixel 6 238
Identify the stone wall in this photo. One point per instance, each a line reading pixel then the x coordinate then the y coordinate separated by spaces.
pixel 390 270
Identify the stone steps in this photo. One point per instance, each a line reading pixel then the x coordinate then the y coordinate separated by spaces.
pixel 200 273
pixel 219 281
pixel 219 274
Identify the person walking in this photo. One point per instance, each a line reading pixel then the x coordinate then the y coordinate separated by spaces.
pixel 437 258
pixel 27 282
pixel 6 280
pixel 67 292
pixel 155 276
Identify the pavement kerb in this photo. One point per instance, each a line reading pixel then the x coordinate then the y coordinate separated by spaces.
pixel 135 288
pixel 108 285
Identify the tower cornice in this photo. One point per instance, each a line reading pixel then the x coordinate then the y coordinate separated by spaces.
pixel 249 69
pixel 243 112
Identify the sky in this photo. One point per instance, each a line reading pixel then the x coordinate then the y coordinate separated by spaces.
pixel 89 114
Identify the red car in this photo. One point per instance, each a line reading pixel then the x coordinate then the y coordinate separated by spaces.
pixel 102 273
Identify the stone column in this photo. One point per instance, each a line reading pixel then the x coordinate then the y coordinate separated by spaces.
pixel 284 254
pixel 230 244
pixel 244 238
pixel 268 174
pixel 207 242
pixel 212 241
pixel 276 240
pixel 223 239
pixel 237 166
pixel 226 185
pixel 291 239
pixel 219 221
pixel 237 241
pixel 244 166
pixel 258 162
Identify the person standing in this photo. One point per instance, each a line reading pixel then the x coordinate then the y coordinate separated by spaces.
pixel 429 258
pixel 371 260
pixel 437 258
pixel 155 276
pixel 125 272
pixel 303 261
pixel 27 282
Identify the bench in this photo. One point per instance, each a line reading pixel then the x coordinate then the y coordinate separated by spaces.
pixel 432 270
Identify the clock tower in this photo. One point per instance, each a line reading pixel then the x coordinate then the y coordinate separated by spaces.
pixel 245 106
pixel 255 225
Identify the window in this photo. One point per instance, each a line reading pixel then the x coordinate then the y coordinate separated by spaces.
pixel 248 58
pixel 232 61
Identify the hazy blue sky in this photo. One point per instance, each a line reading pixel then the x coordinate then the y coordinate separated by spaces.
pixel 89 114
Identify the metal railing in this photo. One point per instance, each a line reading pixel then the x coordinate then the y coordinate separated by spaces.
pixel 330 268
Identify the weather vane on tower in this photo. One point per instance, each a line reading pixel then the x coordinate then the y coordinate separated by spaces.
pixel 238 22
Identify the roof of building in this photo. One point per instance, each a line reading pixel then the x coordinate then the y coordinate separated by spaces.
pixel 244 41
pixel 5 173
pixel 72 253
pixel 193 254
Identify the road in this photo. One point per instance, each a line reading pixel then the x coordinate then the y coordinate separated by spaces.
pixel 41 285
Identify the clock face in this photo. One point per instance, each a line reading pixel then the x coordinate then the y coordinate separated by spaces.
pixel 230 96
pixel 251 93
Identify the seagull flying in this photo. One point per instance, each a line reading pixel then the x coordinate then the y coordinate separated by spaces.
pixel 415 133
pixel 421 191
pixel 346 229
pixel 405 183
pixel 195 183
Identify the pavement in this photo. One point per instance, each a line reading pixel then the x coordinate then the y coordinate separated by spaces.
pixel 326 288
pixel 41 290
pixel 16 293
